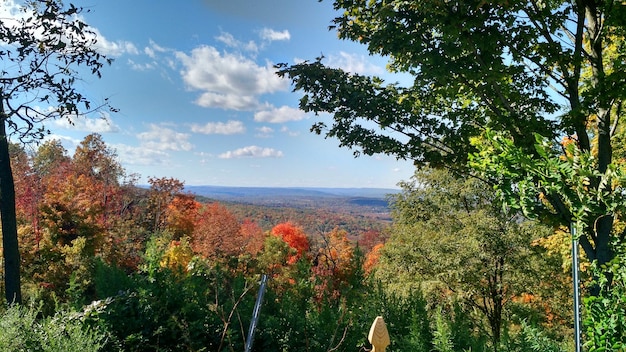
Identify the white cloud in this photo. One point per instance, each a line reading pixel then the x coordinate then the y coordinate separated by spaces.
pixel 141 67
pixel 11 12
pixel 289 132
pixel 149 51
pixel 157 47
pixel 232 42
pixel 141 155
pixel 279 115
pixel 103 124
pixel 227 101
pixel 354 63
pixel 161 138
pixel 273 35
pixel 114 49
pixel 153 49
pixel 154 145
pixel 67 142
pixel 230 127
pixel 264 132
pixel 227 80
pixel 153 61
pixel 252 151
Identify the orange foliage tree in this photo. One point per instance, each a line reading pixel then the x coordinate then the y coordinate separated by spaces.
pixel 181 215
pixel 334 265
pixel 217 233
pixel 94 160
pixel 253 236
pixel 372 258
pixel 295 237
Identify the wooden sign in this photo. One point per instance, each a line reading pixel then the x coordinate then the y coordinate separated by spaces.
pixel 379 336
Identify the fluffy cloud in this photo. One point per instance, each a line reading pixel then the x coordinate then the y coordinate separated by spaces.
pixel 264 132
pixel 226 80
pixel 11 11
pixel 141 67
pixel 279 115
pixel 289 132
pixel 113 48
pixel 232 42
pixel 67 142
pixel 230 127
pixel 153 49
pixel 160 138
pixel 141 155
pixel 252 151
pixel 92 125
pixel 272 35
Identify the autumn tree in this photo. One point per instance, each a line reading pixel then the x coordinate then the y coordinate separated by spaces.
pixel 253 236
pixel 295 237
pixel 182 215
pixel 35 175
pixel 26 184
pixel 162 192
pixel 372 258
pixel 218 233
pixel 371 238
pixel 49 158
pixel 97 161
pixel 45 49
pixel 334 266
pixel 498 82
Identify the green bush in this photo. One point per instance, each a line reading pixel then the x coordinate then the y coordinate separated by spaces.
pixel 605 315
pixel 22 330
pixel 205 308
pixel 531 339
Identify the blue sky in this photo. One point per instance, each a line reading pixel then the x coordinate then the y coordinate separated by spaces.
pixel 199 99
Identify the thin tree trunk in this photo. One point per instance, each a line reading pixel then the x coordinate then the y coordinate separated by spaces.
pixel 8 216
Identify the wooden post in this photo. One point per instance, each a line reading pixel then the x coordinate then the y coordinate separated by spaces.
pixel 379 336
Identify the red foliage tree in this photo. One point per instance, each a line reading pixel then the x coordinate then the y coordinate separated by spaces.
pixel 295 237
pixel 370 238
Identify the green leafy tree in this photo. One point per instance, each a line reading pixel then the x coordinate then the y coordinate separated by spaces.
pixel 452 239
pixel 517 68
pixel 45 48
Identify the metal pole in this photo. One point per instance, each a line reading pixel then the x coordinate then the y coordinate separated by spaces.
pixel 576 288
pixel 255 313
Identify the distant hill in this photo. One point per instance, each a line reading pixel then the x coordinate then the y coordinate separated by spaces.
pixel 318 210
pixel 288 192
pixel 351 199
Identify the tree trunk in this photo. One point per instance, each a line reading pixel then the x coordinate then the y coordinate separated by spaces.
pixel 9 220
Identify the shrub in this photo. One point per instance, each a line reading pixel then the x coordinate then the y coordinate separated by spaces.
pixel 605 314
pixel 22 330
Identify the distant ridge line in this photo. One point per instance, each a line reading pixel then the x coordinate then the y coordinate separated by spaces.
pixel 208 190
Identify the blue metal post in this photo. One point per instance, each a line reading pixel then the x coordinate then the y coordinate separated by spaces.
pixel 255 313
